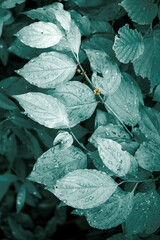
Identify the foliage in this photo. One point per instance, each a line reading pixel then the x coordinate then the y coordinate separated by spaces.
pixel 80 118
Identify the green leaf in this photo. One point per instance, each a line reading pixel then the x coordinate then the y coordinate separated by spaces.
pixel 44 109
pixel 6 103
pixel 78 99
pixel 148 155
pixel 63 140
pixel 150 124
pixel 145 214
pixel 56 163
pixel 114 132
pixel 8 177
pixel 74 37
pixel 156 96
pixel 125 101
pixel 84 188
pixel 10 3
pixel 147 65
pixel 112 155
pixel 21 198
pixel 62 16
pixel 128 46
pixel 122 236
pixel 40 35
pixel 140 11
pixel 48 69
pixel 101 118
pixel 3 52
pixel 111 213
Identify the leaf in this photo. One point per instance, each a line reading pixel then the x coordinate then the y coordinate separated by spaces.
pixel 112 155
pixel 156 96
pixel 111 213
pixel 101 118
pixel 125 101
pixel 145 214
pixel 113 132
pixel 78 99
pixel 48 69
pixel 150 124
pixel 3 52
pixel 31 188
pixel 6 103
pixel 129 45
pixel 44 109
pixel 10 3
pixel 84 188
pixel 62 16
pixel 74 37
pixel 40 35
pixel 147 65
pixel 122 236
pixel 55 163
pixel 63 140
pixel 148 156
pixel 140 11
pixel 8 177
pixel 21 198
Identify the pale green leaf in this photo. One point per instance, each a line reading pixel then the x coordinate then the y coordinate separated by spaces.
pixel 101 118
pixel 63 140
pixel 148 156
pixel 145 214
pixel 84 188
pixel 74 37
pixel 78 99
pixel 44 109
pixel 140 11
pixel 125 101
pixel 21 198
pixel 40 35
pixel 112 155
pixel 48 69
pixel 10 3
pixel 129 45
pixel 147 65
pixel 111 213
pixel 56 163
pixel 150 124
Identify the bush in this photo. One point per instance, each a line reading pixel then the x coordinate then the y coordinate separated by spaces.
pixel 80 119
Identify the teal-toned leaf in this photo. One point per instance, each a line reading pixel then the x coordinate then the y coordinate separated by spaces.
pixel 125 101
pixel 31 188
pixel 129 45
pixel 10 3
pixel 3 52
pixel 156 96
pixel 147 65
pixel 101 118
pixel 8 177
pixel 1 27
pixel 74 37
pixel 21 198
pixel 48 69
pixel 109 131
pixel 122 236
pixel 140 11
pixel 56 163
pixel 112 155
pixel 40 35
pixel 63 140
pixel 84 188
pixel 145 214
pixel 78 99
pixel 62 16
pixel 6 103
pixel 150 124
pixel 40 14
pixel 111 213
pixel 44 109
pixel 100 26
pixel 148 156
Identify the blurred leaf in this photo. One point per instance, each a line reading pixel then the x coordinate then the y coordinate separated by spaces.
pixel 21 198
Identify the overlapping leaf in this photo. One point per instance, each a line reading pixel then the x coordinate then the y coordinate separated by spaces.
pixel 147 65
pixel 44 109
pixel 56 163
pixel 145 214
pixel 125 101
pixel 48 69
pixel 129 45
pixel 84 188
pixel 78 99
pixel 40 34
pixel 140 11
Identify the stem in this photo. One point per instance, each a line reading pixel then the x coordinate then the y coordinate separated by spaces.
pixel 78 141
pixel 87 78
